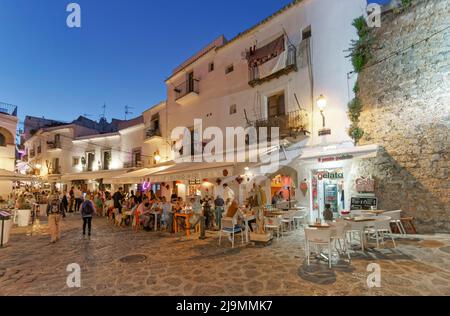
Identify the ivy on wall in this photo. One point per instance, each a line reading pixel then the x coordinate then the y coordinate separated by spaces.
pixel 360 54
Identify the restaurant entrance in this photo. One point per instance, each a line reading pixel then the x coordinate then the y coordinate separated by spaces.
pixel 328 189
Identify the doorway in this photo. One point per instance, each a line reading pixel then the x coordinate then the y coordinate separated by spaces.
pixel 327 189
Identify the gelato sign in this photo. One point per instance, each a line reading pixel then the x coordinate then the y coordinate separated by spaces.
pixel 330 175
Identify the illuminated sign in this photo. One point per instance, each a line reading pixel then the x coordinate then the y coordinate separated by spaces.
pixel 335 158
pixel 330 175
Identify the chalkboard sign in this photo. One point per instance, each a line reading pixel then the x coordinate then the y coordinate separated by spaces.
pixel 363 203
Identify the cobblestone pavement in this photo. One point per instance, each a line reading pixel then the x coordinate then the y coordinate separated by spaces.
pixel 30 265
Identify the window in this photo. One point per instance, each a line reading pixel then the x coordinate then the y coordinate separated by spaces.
pixel 229 69
pixel 275 105
pixel 211 67
pixel 2 140
pixel 137 157
pixel 75 161
pixel 233 109
pixel 106 159
pixel 90 160
pixel 306 33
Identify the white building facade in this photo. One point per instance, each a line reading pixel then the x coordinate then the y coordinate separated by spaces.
pixel 8 127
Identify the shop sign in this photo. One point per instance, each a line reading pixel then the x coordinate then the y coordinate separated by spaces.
pixel 330 175
pixel 365 185
pixel 194 182
pixel 335 158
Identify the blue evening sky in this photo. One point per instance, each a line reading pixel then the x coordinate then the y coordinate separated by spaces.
pixel 120 56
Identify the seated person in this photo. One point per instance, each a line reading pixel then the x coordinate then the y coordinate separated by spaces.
pixel 144 210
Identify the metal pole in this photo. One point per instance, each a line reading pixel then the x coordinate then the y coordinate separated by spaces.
pixel 3 227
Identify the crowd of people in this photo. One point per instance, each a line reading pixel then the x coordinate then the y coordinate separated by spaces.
pixel 136 209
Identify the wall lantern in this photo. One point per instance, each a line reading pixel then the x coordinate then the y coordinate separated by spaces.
pixel 322 104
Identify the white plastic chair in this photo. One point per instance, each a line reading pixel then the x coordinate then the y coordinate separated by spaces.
pixel 357 228
pixel 339 236
pixel 229 228
pixel 396 218
pixel 274 223
pixel 317 237
pixel 288 218
pixel 299 216
pixel 381 227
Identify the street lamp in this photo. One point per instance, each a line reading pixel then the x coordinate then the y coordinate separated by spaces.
pixel 322 104
pixel 38 166
pixel 157 158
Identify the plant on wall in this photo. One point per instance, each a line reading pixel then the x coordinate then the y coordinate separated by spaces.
pixel 360 54
pixel 360 50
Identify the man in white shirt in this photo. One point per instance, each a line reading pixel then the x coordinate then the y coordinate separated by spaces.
pixel 78 198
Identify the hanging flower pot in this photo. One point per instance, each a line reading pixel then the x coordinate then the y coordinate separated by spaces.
pixel 304 187
pixel 225 172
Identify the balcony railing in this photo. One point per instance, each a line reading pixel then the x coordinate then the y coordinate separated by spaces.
pixel 152 132
pixel 291 65
pixel 290 124
pixel 187 87
pixel 9 109
pixel 53 171
pixel 53 145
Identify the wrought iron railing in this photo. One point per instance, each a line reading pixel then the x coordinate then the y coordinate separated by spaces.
pixel 289 124
pixel 53 145
pixel 189 86
pixel 291 65
pixel 9 109
pixel 152 132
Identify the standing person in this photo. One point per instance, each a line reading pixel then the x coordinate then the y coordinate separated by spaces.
pixel 138 197
pixel 98 200
pixel 219 204
pixel 71 199
pixel 167 214
pixel 65 202
pixel 78 198
pixel 118 200
pixel 54 213
pixel 87 211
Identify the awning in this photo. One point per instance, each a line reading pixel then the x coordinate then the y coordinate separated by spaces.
pixel 136 176
pixel 193 170
pixel 93 175
pixel 6 175
pixel 332 153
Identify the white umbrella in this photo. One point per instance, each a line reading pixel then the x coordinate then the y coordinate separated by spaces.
pixel 7 175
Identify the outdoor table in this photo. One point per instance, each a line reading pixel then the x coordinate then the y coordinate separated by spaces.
pixel 320 226
pixel 186 217
pixel 375 212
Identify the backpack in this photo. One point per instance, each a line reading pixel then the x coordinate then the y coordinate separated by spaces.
pixel 54 207
pixel 86 208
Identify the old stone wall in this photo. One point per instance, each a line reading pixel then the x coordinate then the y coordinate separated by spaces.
pixel 406 110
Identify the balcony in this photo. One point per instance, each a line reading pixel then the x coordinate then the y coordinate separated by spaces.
pixel 51 146
pixel 291 125
pixel 291 65
pixel 133 164
pixel 187 91
pixel 152 133
pixel 8 109
pixel 54 171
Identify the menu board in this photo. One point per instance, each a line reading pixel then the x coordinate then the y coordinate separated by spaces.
pixel 363 203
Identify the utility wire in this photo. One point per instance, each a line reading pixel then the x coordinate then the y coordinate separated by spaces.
pixel 400 51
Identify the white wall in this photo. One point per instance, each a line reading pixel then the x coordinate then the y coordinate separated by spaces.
pixel 331 35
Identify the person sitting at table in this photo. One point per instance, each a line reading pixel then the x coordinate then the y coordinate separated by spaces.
pixel 208 214
pixel 144 210
pixel 328 213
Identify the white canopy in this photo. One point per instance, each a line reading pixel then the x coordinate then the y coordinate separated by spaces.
pixel 7 175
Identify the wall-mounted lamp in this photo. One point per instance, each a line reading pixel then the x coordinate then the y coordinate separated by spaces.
pixel 322 104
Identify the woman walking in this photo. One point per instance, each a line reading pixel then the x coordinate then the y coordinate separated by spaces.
pixel 87 210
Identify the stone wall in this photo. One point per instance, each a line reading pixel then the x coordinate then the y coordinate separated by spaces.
pixel 406 110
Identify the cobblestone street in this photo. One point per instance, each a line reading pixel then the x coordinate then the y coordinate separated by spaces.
pixel 30 265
